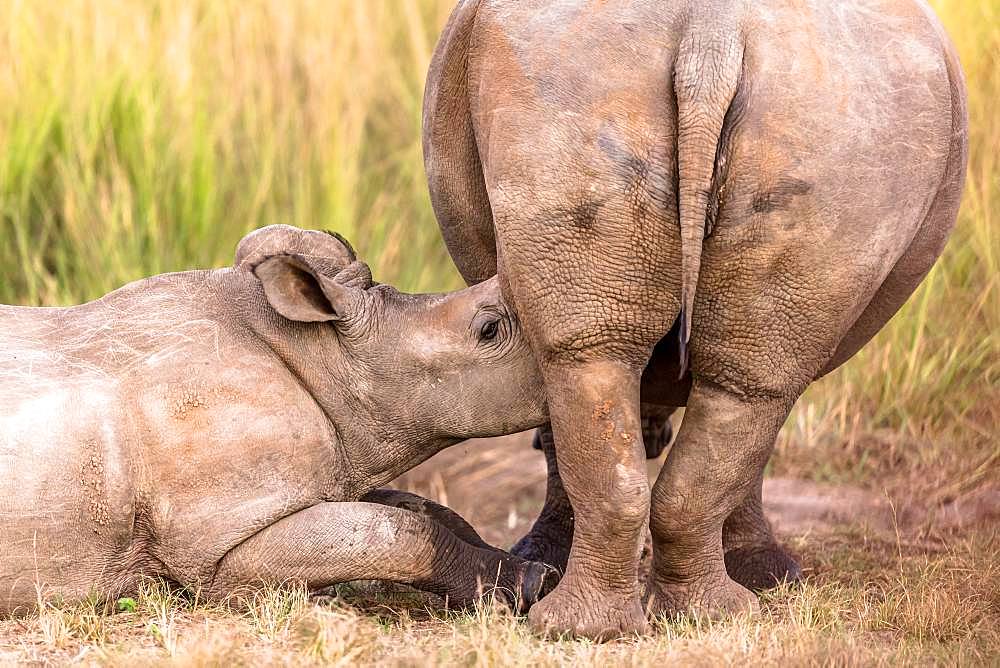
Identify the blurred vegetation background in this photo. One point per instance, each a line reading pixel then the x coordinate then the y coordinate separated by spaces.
pixel 145 136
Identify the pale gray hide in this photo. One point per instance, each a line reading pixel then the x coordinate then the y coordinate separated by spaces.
pixel 180 427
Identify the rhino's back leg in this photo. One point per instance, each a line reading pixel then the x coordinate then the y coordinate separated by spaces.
pixel 811 225
pixel 68 508
pixel 551 535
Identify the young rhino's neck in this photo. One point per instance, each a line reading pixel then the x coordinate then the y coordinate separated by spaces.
pixel 378 444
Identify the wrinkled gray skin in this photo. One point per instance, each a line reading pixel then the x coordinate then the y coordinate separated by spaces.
pixel 220 431
pixel 770 178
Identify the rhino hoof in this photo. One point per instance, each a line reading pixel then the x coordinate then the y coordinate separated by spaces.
pixel 536 580
pixel 760 568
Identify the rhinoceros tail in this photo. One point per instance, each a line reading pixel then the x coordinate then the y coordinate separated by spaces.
pixel 707 81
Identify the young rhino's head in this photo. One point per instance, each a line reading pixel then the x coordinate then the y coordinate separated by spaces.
pixel 441 366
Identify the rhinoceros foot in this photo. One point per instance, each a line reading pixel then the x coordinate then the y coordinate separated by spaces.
pixel 762 567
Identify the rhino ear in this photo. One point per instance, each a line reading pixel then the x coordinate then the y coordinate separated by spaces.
pixel 298 292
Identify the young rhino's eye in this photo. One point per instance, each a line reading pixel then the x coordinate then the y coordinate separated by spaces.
pixel 489 330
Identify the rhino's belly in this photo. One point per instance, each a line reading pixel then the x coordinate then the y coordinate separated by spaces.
pixel 66 501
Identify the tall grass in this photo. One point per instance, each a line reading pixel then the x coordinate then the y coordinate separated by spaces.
pixel 143 136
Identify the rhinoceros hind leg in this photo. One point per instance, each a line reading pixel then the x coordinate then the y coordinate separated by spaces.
pixel 753 556
pixel 762 567
pixel 717 462
pixel 551 535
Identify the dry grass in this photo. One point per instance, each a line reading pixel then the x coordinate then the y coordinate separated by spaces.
pixel 868 601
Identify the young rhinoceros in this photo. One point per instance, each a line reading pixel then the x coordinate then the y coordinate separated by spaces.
pixel 223 428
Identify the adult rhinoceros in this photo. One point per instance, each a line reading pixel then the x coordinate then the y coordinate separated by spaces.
pixel 772 178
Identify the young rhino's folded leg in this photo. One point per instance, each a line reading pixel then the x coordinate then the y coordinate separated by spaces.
pixel 432 510
pixel 330 543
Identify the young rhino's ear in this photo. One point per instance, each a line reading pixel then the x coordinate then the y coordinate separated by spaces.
pixel 328 247
pixel 296 290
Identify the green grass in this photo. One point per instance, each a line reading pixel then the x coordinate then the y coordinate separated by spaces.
pixel 145 137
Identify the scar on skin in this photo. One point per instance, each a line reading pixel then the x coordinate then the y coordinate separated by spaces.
pixel 92 480
pixel 601 411
pixel 188 400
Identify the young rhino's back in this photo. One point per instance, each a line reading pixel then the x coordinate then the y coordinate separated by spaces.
pixel 66 499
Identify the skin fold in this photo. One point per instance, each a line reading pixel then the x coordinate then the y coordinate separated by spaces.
pixel 737 194
pixel 231 427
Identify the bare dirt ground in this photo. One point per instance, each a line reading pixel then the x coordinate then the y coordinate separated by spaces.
pixel 499 485
pixel 893 578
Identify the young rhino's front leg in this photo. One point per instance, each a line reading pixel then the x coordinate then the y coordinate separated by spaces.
pixel 330 543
